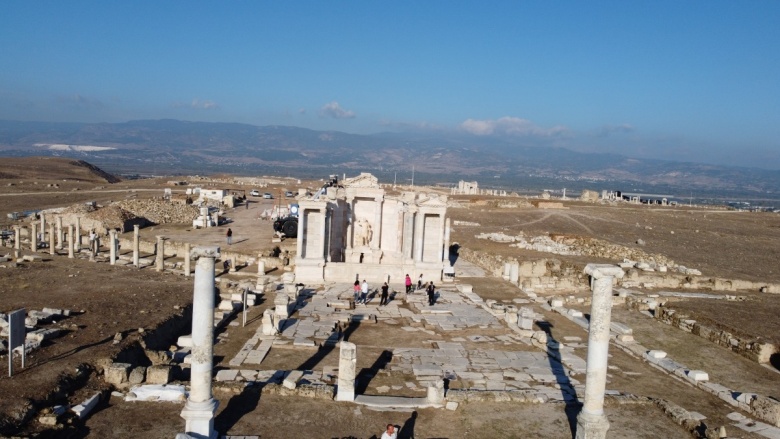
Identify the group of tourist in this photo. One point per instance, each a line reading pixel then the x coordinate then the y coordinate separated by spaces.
pixel 360 291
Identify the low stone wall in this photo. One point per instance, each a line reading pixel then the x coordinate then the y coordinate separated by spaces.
pixel 748 347
pixel 654 279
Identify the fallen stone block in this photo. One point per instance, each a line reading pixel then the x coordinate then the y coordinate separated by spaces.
pixel 698 375
pixel 620 328
pixel 160 374
pixel 117 373
pixel 137 375
pixel 43 334
pixel 185 341
pixel 656 354
pixel 766 409
pixel 451 405
pixel 83 410
pixel 625 338
pixel 227 375
pixel 171 392
pixel 292 378
pixel 32 258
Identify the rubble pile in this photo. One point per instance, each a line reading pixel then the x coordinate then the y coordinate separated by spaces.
pixel 603 249
pixel 111 217
pixel 576 246
pixel 545 244
pixel 160 212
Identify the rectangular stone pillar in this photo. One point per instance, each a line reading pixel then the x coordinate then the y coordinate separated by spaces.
pixel 347 371
pixel 43 227
pixel 514 272
pixel 17 239
pixel 592 423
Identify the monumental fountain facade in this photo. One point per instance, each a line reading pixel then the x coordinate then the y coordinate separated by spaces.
pixel 357 230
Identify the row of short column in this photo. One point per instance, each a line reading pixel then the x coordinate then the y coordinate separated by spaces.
pixel 73 244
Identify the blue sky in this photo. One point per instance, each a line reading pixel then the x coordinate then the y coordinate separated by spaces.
pixel 682 80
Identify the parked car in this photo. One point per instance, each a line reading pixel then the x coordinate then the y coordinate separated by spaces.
pixel 289 194
pixel 255 193
pixel 267 196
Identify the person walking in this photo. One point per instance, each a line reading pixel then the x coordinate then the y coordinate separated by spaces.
pixel 431 294
pixel 364 292
pixel 408 284
pixel 419 282
pixel 229 235
pixel 383 300
pixel 356 291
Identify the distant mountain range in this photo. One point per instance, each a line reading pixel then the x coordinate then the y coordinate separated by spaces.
pixel 171 147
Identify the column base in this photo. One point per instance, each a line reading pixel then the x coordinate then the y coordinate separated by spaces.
pixel 199 419
pixel 591 426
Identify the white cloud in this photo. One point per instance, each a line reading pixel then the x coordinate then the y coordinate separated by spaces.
pixel 606 130
pixel 334 110
pixel 197 104
pixel 509 126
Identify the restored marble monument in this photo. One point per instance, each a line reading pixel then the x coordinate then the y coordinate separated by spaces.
pixel 357 230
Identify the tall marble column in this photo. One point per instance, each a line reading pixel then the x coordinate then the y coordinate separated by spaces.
pixel 159 256
pixel 71 241
pixel 112 244
pixel 376 237
pixel 408 244
pixel 77 236
pixel 136 250
pixel 302 219
pixel 51 239
pixel 187 268
pixel 34 237
pixel 419 230
pixel 323 226
pixel 59 233
pixel 592 423
pixel 350 221
pixel 347 371
pixel 43 227
pixel 17 239
pixel 201 406
pixel 446 249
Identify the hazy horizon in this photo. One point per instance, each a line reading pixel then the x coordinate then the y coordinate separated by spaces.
pixel 693 81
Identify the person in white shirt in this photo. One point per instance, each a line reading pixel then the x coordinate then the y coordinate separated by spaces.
pixel 390 433
pixel 364 291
